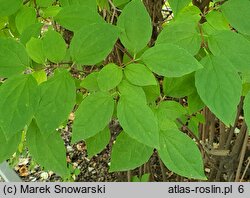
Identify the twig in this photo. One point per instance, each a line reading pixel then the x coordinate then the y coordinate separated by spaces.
pixel 244 173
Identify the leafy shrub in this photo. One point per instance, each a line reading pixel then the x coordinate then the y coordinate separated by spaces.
pixel 46 75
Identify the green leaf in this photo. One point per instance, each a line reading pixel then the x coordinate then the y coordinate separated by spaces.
pixel 33 30
pixel 180 154
pixel 93 115
pixel 9 7
pixel 136 25
pixel 217 21
pixel 40 76
pixel 179 87
pixel 194 103
pixel 185 35
pixel 19 98
pixel 247 110
pixel 51 11
pixel 58 96
pixel 170 60
pixel 178 5
pixel 109 77
pixel 13 58
pixel 98 142
pixel 132 93
pixel 219 87
pixel 35 50
pixel 9 145
pixel 90 82
pixel 118 3
pixel 75 17
pixel 102 37
pixel 169 110
pixel 54 46
pixel 44 3
pixel 140 75
pixel 138 121
pixel 51 155
pixel 24 18
pixel 88 3
pixel 152 93
pixel 237 50
pixel 238 20
pixel 128 154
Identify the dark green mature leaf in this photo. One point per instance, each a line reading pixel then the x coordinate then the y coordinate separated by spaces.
pixel 9 7
pixel 170 60
pixel 185 35
pixel 219 87
pixel 35 49
pixel 180 154
pixel 93 115
pixel 139 74
pixel 109 77
pixel 136 25
pixel 247 110
pixel 237 50
pixel 51 155
pixel 128 154
pixel 54 46
pixel 152 93
pixel 102 37
pixel 9 145
pixel 90 82
pixel 178 5
pixel 169 110
pixel 98 142
pixel 179 87
pixel 238 20
pixel 13 58
pixel 33 30
pixel 132 93
pixel 138 121
pixel 118 3
pixel 58 96
pixel 19 98
pixel 194 103
pixel 24 18
pixel 75 17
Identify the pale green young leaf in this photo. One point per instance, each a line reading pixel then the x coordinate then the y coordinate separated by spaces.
pixel 25 17
pixel 58 95
pixel 136 26
pixel 219 86
pixel 13 58
pixel 19 98
pixel 98 142
pixel 180 154
pixel 128 154
pixel 76 16
pixel 90 82
pixel 170 60
pixel 178 5
pixel 139 74
pixel 93 115
pixel 102 37
pixel 40 76
pixel 237 50
pixel 49 151
pixel 35 50
pixel 138 121
pixel 8 146
pixel 9 7
pixel 54 46
pixel 239 20
pixel 185 35
pixel 109 77
pixel 179 87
